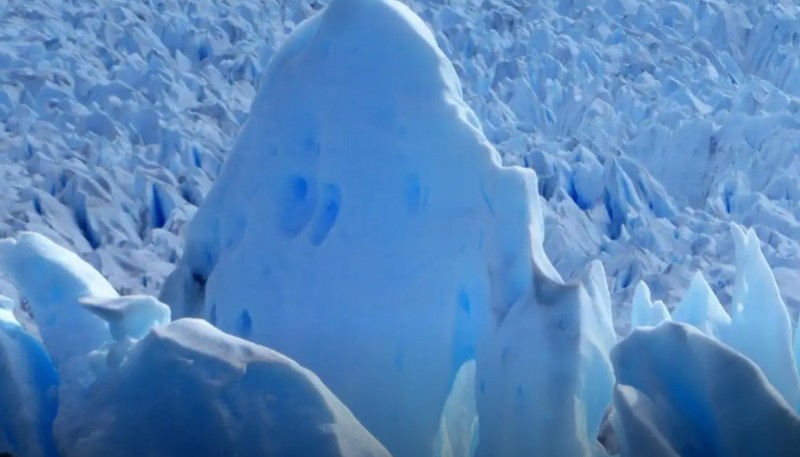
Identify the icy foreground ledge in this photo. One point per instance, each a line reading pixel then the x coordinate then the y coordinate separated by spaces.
pixel 680 393
pixel 130 383
pixel 189 390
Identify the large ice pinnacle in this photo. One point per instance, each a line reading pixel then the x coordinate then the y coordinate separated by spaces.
pixel 363 225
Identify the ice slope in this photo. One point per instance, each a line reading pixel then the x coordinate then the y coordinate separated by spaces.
pixel 187 389
pixel 28 384
pixel 339 233
pixel 680 393
pixel 117 117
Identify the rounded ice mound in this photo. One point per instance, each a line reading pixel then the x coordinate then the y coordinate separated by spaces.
pixel 363 224
pixel 204 393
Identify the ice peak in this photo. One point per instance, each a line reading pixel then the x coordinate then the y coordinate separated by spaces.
pixel 701 309
pixel 760 324
pixel 646 313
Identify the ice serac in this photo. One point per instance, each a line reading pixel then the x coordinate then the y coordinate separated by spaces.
pixel 129 316
pixel 202 392
pixel 796 348
pixel 28 384
pixel 646 313
pixel 129 319
pixel 54 280
pixel 363 224
pixel 458 429
pixel 761 328
pixel 682 393
pixel 701 309
pixel 544 376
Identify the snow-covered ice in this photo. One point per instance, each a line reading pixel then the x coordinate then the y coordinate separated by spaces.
pixel 130 316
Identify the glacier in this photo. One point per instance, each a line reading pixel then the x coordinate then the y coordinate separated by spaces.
pixel 570 89
pixel 375 220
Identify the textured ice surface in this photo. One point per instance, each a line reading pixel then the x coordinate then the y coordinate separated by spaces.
pixel 189 390
pixel 117 117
